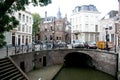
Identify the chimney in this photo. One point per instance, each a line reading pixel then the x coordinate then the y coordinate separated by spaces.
pixel 45 15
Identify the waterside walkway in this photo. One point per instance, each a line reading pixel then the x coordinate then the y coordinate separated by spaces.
pixel 46 73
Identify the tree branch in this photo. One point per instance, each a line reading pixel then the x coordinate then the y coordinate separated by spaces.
pixel 5 6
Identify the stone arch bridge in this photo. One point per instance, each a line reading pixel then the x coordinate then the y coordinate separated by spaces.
pixel 101 60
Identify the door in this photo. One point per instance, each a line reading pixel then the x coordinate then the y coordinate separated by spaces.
pixel 13 40
pixel 44 61
pixel 22 66
pixel 18 41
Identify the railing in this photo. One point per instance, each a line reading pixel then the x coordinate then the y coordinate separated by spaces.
pixel 14 50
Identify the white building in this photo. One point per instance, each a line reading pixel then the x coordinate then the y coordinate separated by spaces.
pixel 85 23
pixel 109 22
pixel 22 35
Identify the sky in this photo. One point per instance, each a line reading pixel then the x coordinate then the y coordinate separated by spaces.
pixel 66 7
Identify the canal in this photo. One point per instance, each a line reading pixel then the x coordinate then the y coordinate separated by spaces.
pixel 79 66
pixel 79 73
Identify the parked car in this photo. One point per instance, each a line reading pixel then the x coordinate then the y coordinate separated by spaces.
pixel 78 44
pixel 61 44
pixel 91 44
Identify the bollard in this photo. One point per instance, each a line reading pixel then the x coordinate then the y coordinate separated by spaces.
pixel 7 51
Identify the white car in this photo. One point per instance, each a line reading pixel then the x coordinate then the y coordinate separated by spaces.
pixel 78 44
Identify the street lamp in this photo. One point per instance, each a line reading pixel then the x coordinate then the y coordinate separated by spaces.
pixel 53 33
pixel 107 38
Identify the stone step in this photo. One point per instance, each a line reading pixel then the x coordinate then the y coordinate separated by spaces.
pixel 8 72
pixel 7 77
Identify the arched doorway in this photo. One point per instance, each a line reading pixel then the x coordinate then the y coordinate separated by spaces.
pixel 78 59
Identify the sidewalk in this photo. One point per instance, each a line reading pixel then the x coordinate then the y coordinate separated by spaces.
pixel 46 73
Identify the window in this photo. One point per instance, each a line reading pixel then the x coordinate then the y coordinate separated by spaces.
pixel 23 28
pixel 76 36
pixel 51 37
pixel 57 38
pixel 19 28
pixel 22 39
pixel 30 20
pixel 19 16
pixel 110 27
pixel 30 29
pixel 107 37
pixel 96 28
pixel 60 38
pixel 23 17
pixel 51 28
pixel 45 29
pixel 26 18
pixel 30 39
pixel 26 28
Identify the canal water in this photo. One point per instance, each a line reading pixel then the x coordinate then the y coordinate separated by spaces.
pixel 79 73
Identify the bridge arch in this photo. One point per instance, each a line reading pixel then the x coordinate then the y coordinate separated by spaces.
pixel 78 59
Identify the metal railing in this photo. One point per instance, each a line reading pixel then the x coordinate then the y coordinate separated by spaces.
pixel 14 50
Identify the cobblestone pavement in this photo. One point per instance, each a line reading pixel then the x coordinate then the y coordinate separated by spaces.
pixel 46 73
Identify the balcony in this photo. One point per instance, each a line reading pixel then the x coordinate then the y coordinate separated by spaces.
pixel 77 31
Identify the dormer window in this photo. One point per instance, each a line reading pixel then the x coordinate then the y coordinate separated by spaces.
pixel 110 27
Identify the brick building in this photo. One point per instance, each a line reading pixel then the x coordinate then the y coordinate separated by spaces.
pixel 55 29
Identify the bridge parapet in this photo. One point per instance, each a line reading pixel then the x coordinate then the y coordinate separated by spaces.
pixel 102 60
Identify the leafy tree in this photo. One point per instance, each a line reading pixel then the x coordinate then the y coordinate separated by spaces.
pixel 7 9
pixel 36 23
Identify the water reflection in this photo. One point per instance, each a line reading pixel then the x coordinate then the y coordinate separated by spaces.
pixel 80 73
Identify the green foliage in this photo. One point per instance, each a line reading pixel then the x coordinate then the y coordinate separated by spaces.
pixel 36 23
pixel 7 9
pixel 2 42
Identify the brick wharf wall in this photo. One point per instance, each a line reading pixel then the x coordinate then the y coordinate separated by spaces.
pixel 27 58
pixel 104 61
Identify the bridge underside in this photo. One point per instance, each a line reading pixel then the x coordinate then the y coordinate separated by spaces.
pixel 78 59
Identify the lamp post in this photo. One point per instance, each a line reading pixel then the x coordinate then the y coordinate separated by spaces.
pixel 53 33
pixel 107 39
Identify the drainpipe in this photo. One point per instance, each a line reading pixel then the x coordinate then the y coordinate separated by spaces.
pixel 117 66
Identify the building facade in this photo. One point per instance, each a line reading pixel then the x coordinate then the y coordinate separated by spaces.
pixel 53 29
pixel 109 24
pixel 22 34
pixel 85 23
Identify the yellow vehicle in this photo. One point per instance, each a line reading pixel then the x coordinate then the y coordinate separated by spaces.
pixel 102 45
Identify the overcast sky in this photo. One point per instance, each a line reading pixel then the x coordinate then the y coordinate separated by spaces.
pixel 66 6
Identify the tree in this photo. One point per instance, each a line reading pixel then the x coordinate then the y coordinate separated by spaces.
pixel 36 23
pixel 7 9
